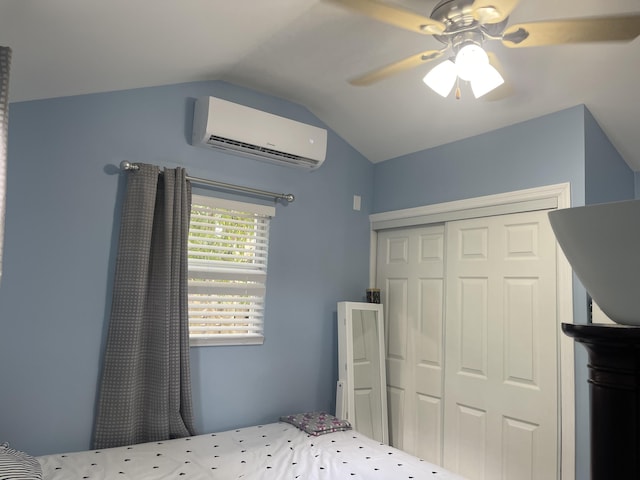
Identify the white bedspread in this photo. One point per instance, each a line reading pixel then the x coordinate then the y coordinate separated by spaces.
pixel 273 451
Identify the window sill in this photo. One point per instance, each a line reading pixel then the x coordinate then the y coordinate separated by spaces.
pixel 226 340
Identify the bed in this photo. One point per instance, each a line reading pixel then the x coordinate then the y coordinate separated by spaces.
pixel 282 450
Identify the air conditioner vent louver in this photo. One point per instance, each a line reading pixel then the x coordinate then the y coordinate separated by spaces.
pixel 295 160
pixel 225 125
pixel 214 139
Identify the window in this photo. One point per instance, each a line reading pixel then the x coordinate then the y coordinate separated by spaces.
pixel 228 248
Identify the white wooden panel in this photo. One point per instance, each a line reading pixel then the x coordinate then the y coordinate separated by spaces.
pixel 429 428
pixel 501 339
pixel 519 445
pixel 396 335
pixel 397 297
pixel 522 240
pixel 432 248
pixel 473 326
pixel 430 321
pixel 471 436
pixel 398 250
pixel 395 403
pixel 473 244
pixel 529 200
pixel 521 335
pixel 412 292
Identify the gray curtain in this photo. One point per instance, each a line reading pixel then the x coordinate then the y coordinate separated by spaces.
pixel 5 65
pixel 145 392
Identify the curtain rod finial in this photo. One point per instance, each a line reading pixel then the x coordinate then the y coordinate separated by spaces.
pixel 125 165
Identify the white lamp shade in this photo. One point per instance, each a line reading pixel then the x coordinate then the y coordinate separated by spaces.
pixel 470 59
pixel 441 78
pixel 485 79
pixel 472 65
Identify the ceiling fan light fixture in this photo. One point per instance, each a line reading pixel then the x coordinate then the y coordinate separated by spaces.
pixel 485 80
pixel 442 77
pixel 469 60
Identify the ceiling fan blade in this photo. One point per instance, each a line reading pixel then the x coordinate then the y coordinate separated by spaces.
pixel 397 67
pixel 580 30
pixel 393 15
pixel 492 11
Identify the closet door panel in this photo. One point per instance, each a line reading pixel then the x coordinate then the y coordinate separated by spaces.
pixel 469 425
pixel 429 339
pixel 410 275
pixel 500 383
pixel 395 298
pixel 429 430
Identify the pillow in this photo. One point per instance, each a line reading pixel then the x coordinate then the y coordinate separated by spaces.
pixel 316 423
pixel 17 465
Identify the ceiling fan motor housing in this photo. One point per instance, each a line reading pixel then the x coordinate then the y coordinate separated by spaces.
pixel 456 12
pixel 462 39
pixel 462 27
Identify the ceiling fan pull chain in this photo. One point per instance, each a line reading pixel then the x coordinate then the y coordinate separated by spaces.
pixel 458 93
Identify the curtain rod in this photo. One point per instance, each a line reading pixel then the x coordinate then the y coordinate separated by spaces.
pixel 124 165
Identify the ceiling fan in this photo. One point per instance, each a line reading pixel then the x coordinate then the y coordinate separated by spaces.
pixel 464 25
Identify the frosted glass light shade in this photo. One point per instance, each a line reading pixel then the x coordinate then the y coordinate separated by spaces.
pixel 485 79
pixel 442 77
pixel 472 65
pixel 470 59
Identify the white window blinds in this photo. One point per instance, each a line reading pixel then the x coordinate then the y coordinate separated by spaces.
pixel 228 250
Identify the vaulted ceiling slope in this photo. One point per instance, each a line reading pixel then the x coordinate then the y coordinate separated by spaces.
pixel 306 51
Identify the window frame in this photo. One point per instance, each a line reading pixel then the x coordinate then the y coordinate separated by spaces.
pixel 263 215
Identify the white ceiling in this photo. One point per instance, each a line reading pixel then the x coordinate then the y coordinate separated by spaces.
pixel 305 51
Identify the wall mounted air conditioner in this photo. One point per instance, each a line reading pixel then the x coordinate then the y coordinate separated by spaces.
pixel 226 125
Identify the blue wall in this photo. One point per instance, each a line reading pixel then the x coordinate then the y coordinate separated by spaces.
pixel 63 204
pixel 566 146
pixel 542 151
pixel 607 177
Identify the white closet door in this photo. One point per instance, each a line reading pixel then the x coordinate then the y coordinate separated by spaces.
pixel 501 396
pixel 411 277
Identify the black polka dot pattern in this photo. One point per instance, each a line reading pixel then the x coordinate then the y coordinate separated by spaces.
pixel 277 450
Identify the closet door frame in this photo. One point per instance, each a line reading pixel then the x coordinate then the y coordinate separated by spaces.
pixel 547 197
